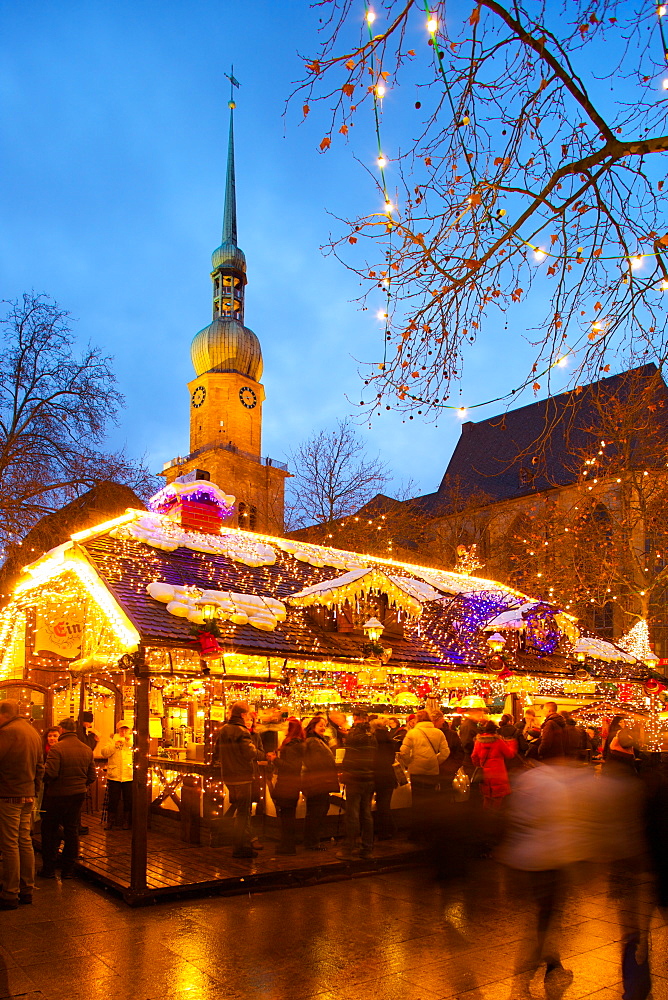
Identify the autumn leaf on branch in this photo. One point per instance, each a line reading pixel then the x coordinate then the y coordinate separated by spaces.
pixel 540 164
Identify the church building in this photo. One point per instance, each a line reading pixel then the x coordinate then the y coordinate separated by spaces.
pixel 226 394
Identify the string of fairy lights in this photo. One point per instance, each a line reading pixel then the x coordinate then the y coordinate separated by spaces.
pixel 541 254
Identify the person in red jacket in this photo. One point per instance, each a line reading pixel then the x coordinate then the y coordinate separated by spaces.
pixel 490 752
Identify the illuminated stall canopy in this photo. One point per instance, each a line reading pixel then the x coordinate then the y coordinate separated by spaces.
pixel 286 619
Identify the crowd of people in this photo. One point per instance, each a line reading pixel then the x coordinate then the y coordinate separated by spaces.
pixel 45 781
pixel 471 757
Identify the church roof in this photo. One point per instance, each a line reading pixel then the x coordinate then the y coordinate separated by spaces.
pixel 536 447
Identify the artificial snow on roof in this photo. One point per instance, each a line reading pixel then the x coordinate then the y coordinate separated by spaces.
pixel 240 609
pixel 599 649
pixel 160 533
pixel 319 555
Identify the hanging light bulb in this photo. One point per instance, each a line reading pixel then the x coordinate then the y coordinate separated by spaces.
pixel 432 24
pixel 380 90
pixel 381 161
pixel 370 17
pixel 539 255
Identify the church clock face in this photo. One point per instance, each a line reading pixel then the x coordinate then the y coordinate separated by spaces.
pixel 198 396
pixel 247 397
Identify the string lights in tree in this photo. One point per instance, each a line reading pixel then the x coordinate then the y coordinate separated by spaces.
pixel 475 233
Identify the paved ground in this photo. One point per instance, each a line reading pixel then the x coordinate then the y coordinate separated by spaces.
pixel 398 936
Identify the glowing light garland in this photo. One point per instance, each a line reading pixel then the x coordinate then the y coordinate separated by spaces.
pixel 378 91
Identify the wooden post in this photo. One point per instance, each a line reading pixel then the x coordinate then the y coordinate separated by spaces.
pixel 140 793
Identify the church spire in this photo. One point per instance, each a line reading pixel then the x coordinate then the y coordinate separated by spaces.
pixel 230 213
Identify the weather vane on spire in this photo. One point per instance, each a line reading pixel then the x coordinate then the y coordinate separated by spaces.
pixel 233 83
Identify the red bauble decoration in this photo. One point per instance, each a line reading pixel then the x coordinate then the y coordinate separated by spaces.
pixel 653 686
pixel 424 690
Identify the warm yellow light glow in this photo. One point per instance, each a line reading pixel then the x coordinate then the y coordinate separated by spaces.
pixel 389 207
pixel 496 642
pixel 665 84
pixel 661 11
pixel 370 17
pixel 462 412
pixel 562 362
pixel 636 263
pixel 664 285
pixel 380 90
pixel 73 561
pixel 373 629
pixel 381 314
pixel 432 24
pixel 539 256
pixel 100 529
pixel 382 162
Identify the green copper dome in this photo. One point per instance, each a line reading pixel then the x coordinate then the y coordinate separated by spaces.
pixel 228 255
pixel 226 345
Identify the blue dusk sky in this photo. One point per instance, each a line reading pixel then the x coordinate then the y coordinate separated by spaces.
pixel 114 137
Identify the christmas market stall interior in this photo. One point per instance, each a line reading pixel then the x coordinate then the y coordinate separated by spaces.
pixel 162 619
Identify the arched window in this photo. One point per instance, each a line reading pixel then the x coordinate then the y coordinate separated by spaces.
pixel 247 516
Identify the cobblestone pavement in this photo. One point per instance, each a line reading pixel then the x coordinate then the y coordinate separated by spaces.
pixel 399 936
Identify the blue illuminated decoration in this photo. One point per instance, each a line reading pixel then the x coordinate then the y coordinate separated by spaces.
pixel 542 633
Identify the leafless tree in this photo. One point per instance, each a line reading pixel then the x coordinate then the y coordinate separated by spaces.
pixel 533 166
pixel 55 407
pixel 333 477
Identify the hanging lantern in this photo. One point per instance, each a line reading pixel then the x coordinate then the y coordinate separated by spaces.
pixel 373 629
pixel 580 655
pixel 496 642
pixel 208 608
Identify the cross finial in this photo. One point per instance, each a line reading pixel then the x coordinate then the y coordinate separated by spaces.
pixel 233 83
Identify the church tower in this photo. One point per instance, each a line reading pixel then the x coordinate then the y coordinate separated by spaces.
pixel 226 395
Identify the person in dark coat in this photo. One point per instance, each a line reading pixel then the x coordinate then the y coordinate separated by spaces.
pixel 574 738
pixel 68 771
pixel 21 770
pixel 384 780
pixel 552 744
pixel 397 731
pixel 448 769
pixel 528 734
pixel 237 755
pixel 468 730
pixel 618 722
pixel 85 731
pixel 320 778
pixel 288 784
pixel 359 763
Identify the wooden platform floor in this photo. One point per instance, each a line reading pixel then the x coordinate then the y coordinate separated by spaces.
pixel 176 868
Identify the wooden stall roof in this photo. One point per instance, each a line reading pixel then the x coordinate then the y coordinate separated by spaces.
pixel 448 633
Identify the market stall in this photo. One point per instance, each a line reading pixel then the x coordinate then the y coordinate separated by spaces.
pixel 164 618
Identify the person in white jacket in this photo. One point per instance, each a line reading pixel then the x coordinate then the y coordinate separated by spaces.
pixel 422 752
pixel 118 752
